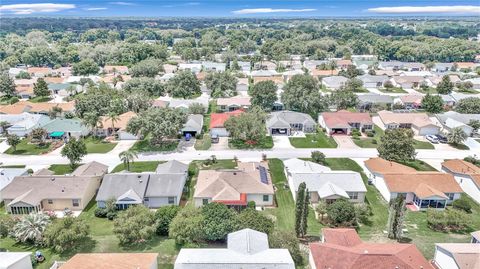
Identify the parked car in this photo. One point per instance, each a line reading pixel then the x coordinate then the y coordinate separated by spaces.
pixel 442 139
pixel 432 138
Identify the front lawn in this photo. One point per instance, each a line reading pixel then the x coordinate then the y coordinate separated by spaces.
pixel 40 99
pixel 138 167
pixel 368 142
pixel 145 146
pixel 61 169
pixel 393 90
pixel 317 140
pixel 423 145
pixel 459 146
pixel 27 148
pixel 98 145
pixel 265 143
pixel 204 143
pixel 13 166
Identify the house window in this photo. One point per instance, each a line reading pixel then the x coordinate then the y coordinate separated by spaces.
pixel 50 201
pixel 353 195
pixel 146 199
pixel 266 198
pixel 450 195
pixel 75 202
pixel 205 201
pixel 171 200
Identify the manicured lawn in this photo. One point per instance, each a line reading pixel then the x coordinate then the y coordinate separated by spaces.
pixel 392 90
pixel 137 167
pixel 459 146
pixel 318 140
pixel 13 166
pixel 40 99
pixel 27 148
pixel 429 90
pixel 420 165
pixel 368 141
pixel 423 145
pixel 98 145
pixel 265 143
pixel 61 169
pixel 145 146
pixel 203 144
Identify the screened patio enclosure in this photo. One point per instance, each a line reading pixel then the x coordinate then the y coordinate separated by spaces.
pixel 430 202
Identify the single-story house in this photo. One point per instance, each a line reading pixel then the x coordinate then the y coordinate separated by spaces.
pixel 16 260
pixel 288 122
pixel 390 65
pixel 291 64
pixel 456 256
pixel 325 185
pixel 414 66
pixel 313 64
pixel 318 73
pixel 334 82
pixel 170 68
pixel 371 81
pixel 192 67
pixel 8 174
pixel 466 174
pixel 235 187
pixel 48 192
pixel 343 248
pixel 421 190
pixel 465 65
pixel 217 122
pixel 265 73
pixel 117 127
pixel 66 128
pixel 115 69
pixel 265 65
pixel 244 66
pixel 110 261
pixel 246 248
pixel 278 80
pixel 342 63
pixel 186 103
pixel 343 122
pixel 36 108
pixel 194 125
pixel 420 123
pixel 409 82
pixel 39 72
pixel 366 101
pixel 452 119
pixel 213 66
pixel 26 124
pixel 233 103
pixel 411 101
pixel 153 189
pixel 475 82
pixel 442 67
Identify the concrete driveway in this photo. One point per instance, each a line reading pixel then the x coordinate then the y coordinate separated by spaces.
pixel 344 141
pixel 281 142
pixel 221 145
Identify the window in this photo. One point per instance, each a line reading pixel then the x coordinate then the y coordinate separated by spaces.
pixel 171 200
pixel 450 195
pixel 266 198
pixel 353 195
pixel 205 201
pixel 50 201
pixel 146 199
pixel 75 202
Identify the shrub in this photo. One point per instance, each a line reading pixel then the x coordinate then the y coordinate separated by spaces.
pixel 255 220
pixel 342 212
pixel 362 212
pixel 135 225
pixel 251 204
pixel 462 204
pixel 318 157
pixel 370 134
pixel 100 212
pixel 6 225
pixel 164 216
pixel 14 100
pixel 374 141
pixel 66 234
pixel 355 132
pixel 449 220
pixel 186 227
pixel 288 240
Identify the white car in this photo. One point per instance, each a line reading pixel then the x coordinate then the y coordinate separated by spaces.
pixel 432 138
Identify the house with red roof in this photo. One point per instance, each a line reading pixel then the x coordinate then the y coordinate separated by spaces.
pixel 343 249
pixel 217 122
pixel 343 122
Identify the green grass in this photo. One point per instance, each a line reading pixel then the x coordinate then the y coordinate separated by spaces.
pixel 459 146
pixel 368 142
pixel 392 90
pixel 40 99
pixel 145 146
pixel 419 165
pixel 26 148
pixel 204 143
pixel 423 145
pixel 429 90
pixel 264 143
pixel 138 167
pixel 478 140
pixel 61 169
pixel 98 145
pixel 317 140
pixel 13 166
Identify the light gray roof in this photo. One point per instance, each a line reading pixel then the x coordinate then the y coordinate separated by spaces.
pixel 373 79
pixel 185 103
pixel 349 181
pixel 163 185
pixel 7 175
pixel 390 63
pixel 116 185
pixel 283 119
pixel 194 124
pixel 463 118
pixel 65 125
pixel 172 167
pixel 8 259
pixel 301 166
pixel 91 169
pixel 334 81
pixel 35 121
pixel 247 241
pixel 375 98
pixel 442 66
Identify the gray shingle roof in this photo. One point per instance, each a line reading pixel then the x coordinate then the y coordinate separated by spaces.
pixel 347 180
pixel 172 167
pixel 283 119
pixel 115 185
pixel 194 124
pixel 163 185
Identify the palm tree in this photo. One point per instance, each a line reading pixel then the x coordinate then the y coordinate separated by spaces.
pixel 31 227
pixel 92 120
pixel 126 157
pixel 113 117
pixel 456 136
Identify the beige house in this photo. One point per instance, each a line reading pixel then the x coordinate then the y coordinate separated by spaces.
pixel 233 103
pixel 117 127
pixel 420 123
pixel 44 191
pixel 250 181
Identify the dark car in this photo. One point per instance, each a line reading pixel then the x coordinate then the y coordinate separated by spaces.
pixel 442 139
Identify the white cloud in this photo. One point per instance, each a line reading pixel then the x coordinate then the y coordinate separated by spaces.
pixel 25 9
pixel 95 8
pixel 270 10
pixel 122 3
pixel 426 9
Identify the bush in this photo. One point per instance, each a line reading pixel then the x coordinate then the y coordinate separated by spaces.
pixel 66 234
pixel 186 227
pixel 462 204
pixel 318 157
pixel 14 100
pixel 251 204
pixel 135 225
pixel 362 212
pixel 370 134
pixel 356 132
pixel 252 219
pixel 288 240
pixel 449 220
pixel 6 225
pixel 342 212
pixel 374 141
pixel 100 212
pixel 164 216
pixel 218 221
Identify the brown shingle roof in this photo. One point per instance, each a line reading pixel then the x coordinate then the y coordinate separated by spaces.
pixel 27 106
pixel 341 236
pixel 423 184
pixel 417 119
pixel 342 118
pixel 111 261
pixel 382 166
pixel 461 167
pixel 121 122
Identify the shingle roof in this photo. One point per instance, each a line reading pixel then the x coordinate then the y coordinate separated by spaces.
pixel 346 237
pixel 375 98
pixel 342 118
pixel 461 167
pixel 466 255
pixel 194 123
pixel 423 184
pixel 65 125
pixel 283 119
pixel 163 185
pixel 172 167
pixel 382 166
pixel 111 261
pixel 301 166
pixel 236 100
pixel 115 185
pixel 419 120
pixel 217 120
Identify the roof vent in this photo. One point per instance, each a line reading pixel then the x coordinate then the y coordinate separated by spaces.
pixel 234 173
pixel 52 179
pixel 366 252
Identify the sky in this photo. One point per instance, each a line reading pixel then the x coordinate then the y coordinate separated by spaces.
pixel 240 8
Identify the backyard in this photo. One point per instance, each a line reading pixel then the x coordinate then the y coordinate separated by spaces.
pixel 27 148
pixel 316 140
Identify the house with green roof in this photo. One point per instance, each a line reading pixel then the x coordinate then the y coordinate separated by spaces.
pixel 66 128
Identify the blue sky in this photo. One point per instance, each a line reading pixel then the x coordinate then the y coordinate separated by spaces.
pixel 240 8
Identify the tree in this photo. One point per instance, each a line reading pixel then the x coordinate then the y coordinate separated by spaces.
pixel 55 111
pixel 343 99
pixel 218 221
pixel 396 216
pixel 126 157
pixel 341 212
pixel 264 94
pixel 397 145
pixel 7 85
pixel 321 209
pixel 13 140
pixel 85 67
pixel 41 88
pixel 39 134
pixel 248 127
pixel 159 123
pixel 163 217
pixel 255 220
pixel 351 72
pixel 196 108
pixel 301 210
pixel 3 126
pixel 184 85
pixel 288 240
pixel 354 85
pixel 475 124
pixel 146 68
pixel 66 234
pixel 186 226
pixel 92 120
pixel 135 225
pixel 30 228
pixel 318 157
pixel 113 117
pixel 23 75
pixel 432 103
pixel 456 136
pixel 221 84
pixel 445 86
pixel 145 84
pixel 470 105
pixel 74 150
pixel 6 225
pixel 302 93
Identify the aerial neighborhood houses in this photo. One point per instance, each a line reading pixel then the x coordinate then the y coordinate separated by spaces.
pixel 343 122
pixel 419 123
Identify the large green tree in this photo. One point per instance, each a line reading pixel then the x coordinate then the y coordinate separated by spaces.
pixel 456 136
pixel 397 145
pixel 7 85
pixel 302 93
pixel 249 126
pixel 145 84
pixel 74 150
pixel 85 67
pixel 343 99
pixel 264 94
pixel 218 221
pixel 341 213
pixel 147 68
pixel 184 85
pixel 432 103
pixel 221 84
pixel 288 240
pixel 186 226
pixel 255 220
pixel 30 228
pixel 445 86
pixel 66 234
pixel 41 88
pixel 163 217
pixel 396 217
pixel 135 225
pixel 301 210
pixel 13 140
pixel 470 105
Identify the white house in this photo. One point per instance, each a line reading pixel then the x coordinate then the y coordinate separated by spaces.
pixel 457 256
pixel 334 82
pixel 15 260
pixel 466 174
pixel 7 175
